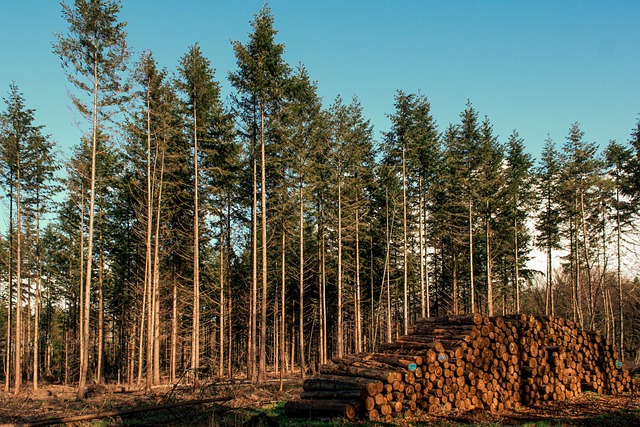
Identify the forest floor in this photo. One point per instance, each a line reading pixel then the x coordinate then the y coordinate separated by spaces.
pixel 241 404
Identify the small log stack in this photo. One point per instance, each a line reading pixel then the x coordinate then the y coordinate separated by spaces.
pixel 466 362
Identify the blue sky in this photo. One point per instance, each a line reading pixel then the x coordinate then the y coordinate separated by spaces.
pixel 536 67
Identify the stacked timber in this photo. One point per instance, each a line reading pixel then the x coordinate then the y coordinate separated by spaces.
pixel 466 362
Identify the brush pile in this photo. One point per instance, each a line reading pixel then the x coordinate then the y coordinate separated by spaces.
pixel 466 362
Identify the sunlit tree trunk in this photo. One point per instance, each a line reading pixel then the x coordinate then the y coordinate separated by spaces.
pixel 619 278
pixel 303 364
pixel 405 255
pixel 156 277
pixel 195 329
pixel 471 272
pixel 221 331
pixel 489 266
pixel 339 312
pixel 18 334
pixel 358 299
pixel 423 290
pixel 262 363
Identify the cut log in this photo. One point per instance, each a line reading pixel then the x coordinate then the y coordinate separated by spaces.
pixel 321 409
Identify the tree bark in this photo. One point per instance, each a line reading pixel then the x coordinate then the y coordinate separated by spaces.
pixel 195 328
pixel 303 364
pixel 262 364
pixel 18 334
pixel 405 255
pixel 85 311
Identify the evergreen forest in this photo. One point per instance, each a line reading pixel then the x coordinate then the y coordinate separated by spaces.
pixel 259 237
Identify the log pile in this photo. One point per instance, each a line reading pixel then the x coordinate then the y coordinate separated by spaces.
pixel 466 362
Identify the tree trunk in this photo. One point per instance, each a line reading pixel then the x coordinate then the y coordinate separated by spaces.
pixel 36 317
pixel 339 313
pixel 471 273
pixel 386 270
pixel 156 277
pixel 148 276
pixel 7 363
pixel 222 302
pixel 489 266
pixel 587 261
pixel 99 354
pixel 423 302
pixel 253 311
pixel 195 329
pixel 358 299
pixel 323 293
pixel 173 358
pixel 262 365
pixel 303 364
pixel 405 266
pixel 281 349
pixel 85 310
pixel 18 334
pixel 619 280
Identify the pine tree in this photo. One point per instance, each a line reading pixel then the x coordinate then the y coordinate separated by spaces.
pixel 203 107
pixel 490 198
pixel 519 195
pixel 581 171
pixel 548 217
pixel 259 81
pixel 412 144
pixel 618 158
pixel 94 53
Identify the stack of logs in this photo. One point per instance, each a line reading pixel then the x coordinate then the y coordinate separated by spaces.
pixel 466 362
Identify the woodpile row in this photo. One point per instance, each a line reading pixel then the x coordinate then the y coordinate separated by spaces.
pixel 465 362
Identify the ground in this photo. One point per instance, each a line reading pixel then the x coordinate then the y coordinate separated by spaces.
pixel 241 404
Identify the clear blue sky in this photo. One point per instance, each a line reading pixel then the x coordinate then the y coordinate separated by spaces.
pixel 534 66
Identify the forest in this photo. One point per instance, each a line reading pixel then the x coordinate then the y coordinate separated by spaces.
pixel 259 238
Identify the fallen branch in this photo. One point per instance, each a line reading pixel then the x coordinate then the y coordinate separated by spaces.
pixel 95 416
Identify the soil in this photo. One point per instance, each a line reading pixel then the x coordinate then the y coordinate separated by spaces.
pixel 240 404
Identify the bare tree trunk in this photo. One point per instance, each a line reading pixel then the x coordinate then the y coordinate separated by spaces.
pixel 229 303
pixel 173 358
pixel 517 265
pixel 405 255
pixel 578 279
pixel 471 280
pixel 619 279
pixel 195 330
pixel 372 328
pixel 156 277
pixel 590 298
pixel 303 364
pixel 423 302
pixel 262 364
pixel 7 364
pixel 36 320
pixel 143 315
pixel 100 307
pixel 358 307
pixel 252 373
pixel 387 268
pixel 549 306
pixel 456 290
pixel 222 303
pixel 18 334
pixel 489 267
pixel 323 293
pixel 148 276
pixel 340 332
pixel 283 278
pixel 85 310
